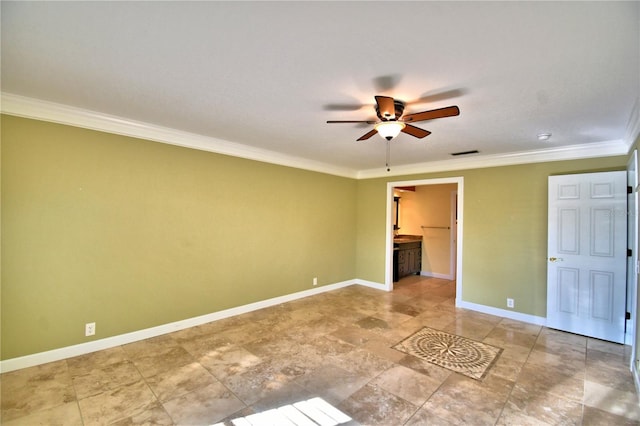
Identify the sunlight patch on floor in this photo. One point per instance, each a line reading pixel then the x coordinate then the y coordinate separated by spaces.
pixel 313 412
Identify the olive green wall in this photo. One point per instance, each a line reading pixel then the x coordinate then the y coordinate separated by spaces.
pixel 504 235
pixel 133 234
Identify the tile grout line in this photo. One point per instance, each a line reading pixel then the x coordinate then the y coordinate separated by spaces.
pixel 515 382
pixel 150 388
pixel 75 393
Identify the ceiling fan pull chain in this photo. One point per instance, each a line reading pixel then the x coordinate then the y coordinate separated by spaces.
pixel 388 155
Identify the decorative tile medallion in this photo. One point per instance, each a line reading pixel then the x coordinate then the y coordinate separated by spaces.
pixel 455 353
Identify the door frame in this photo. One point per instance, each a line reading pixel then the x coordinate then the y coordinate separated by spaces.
pixel 453 236
pixel 632 332
pixel 459 180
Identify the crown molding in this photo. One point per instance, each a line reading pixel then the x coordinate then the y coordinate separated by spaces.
pixel 633 127
pixel 573 152
pixel 37 109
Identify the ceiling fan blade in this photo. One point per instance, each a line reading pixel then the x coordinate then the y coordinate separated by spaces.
pixel 415 131
pixel 386 82
pixel 439 96
pixel 368 135
pixel 430 115
pixel 342 107
pixel 351 121
pixel 386 107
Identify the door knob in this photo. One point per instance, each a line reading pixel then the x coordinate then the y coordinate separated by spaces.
pixel 555 259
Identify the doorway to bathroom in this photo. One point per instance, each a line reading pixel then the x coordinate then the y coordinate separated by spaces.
pixel 431 210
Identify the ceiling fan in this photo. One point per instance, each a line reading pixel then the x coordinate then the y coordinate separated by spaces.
pixel 392 122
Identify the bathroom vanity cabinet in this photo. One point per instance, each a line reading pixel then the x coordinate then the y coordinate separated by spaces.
pixel 407 256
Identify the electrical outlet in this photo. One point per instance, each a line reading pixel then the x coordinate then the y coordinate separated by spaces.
pixel 90 329
pixel 510 303
pixel 315 281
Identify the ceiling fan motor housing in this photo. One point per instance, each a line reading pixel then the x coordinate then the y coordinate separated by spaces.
pixel 399 109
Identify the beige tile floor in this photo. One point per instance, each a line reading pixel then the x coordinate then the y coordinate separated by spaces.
pixel 337 346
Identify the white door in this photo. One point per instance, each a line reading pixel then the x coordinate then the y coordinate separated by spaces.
pixel 586 272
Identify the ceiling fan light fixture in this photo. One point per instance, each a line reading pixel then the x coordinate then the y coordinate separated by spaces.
pixel 389 129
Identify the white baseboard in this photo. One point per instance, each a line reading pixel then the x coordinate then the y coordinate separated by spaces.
pixel 518 316
pixel 122 339
pixel 436 275
pixel 371 284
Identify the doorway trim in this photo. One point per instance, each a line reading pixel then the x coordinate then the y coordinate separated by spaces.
pixel 632 332
pixel 453 240
pixel 459 180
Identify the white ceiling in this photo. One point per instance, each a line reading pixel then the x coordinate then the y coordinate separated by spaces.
pixel 268 75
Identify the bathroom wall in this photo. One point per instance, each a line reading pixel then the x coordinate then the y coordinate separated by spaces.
pixel 428 212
